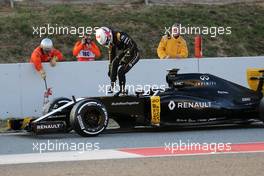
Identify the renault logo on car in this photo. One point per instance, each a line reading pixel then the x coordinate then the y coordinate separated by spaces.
pixel 204 78
pixel 171 105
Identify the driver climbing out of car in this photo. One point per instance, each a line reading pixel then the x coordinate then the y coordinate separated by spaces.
pixel 122 62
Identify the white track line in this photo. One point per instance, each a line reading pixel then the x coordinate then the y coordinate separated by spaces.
pixel 89 155
pixel 65 156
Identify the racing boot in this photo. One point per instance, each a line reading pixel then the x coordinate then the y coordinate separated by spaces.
pixel 123 91
pixel 111 89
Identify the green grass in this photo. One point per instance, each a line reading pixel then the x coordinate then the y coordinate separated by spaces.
pixel 144 23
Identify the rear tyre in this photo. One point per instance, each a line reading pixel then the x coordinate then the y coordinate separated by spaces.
pixel 89 117
pixel 65 114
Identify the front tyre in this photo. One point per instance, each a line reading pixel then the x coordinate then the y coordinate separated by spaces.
pixel 89 117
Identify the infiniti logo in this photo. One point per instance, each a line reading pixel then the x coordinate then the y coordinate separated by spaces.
pixel 204 78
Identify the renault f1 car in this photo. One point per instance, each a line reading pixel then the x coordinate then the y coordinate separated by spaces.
pixel 190 99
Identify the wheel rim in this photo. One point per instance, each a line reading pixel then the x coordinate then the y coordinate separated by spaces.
pixel 93 118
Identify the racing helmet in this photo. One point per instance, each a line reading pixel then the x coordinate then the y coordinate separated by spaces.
pixel 104 36
pixel 46 44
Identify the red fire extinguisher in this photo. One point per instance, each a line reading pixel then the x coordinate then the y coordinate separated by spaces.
pixel 198 47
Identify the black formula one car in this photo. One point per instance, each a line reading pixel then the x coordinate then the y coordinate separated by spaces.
pixel 190 99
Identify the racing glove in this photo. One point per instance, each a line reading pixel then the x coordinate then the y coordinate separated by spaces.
pixel 126 57
pixel 53 61
pixel 42 74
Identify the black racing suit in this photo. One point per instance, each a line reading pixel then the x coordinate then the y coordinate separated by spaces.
pixel 122 62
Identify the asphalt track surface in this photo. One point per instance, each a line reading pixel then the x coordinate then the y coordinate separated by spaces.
pixel 219 164
pixel 23 142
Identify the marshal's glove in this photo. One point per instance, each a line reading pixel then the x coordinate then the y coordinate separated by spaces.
pixel 167 57
pixel 53 61
pixel 42 73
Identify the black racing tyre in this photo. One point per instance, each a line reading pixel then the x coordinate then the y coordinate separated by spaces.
pixel 89 117
pixel 55 104
pixel 261 110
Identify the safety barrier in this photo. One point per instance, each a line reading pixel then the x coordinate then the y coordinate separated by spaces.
pixel 22 89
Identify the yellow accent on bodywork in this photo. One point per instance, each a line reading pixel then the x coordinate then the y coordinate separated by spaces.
pixel 254 72
pixel 155 110
pixel 26 121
